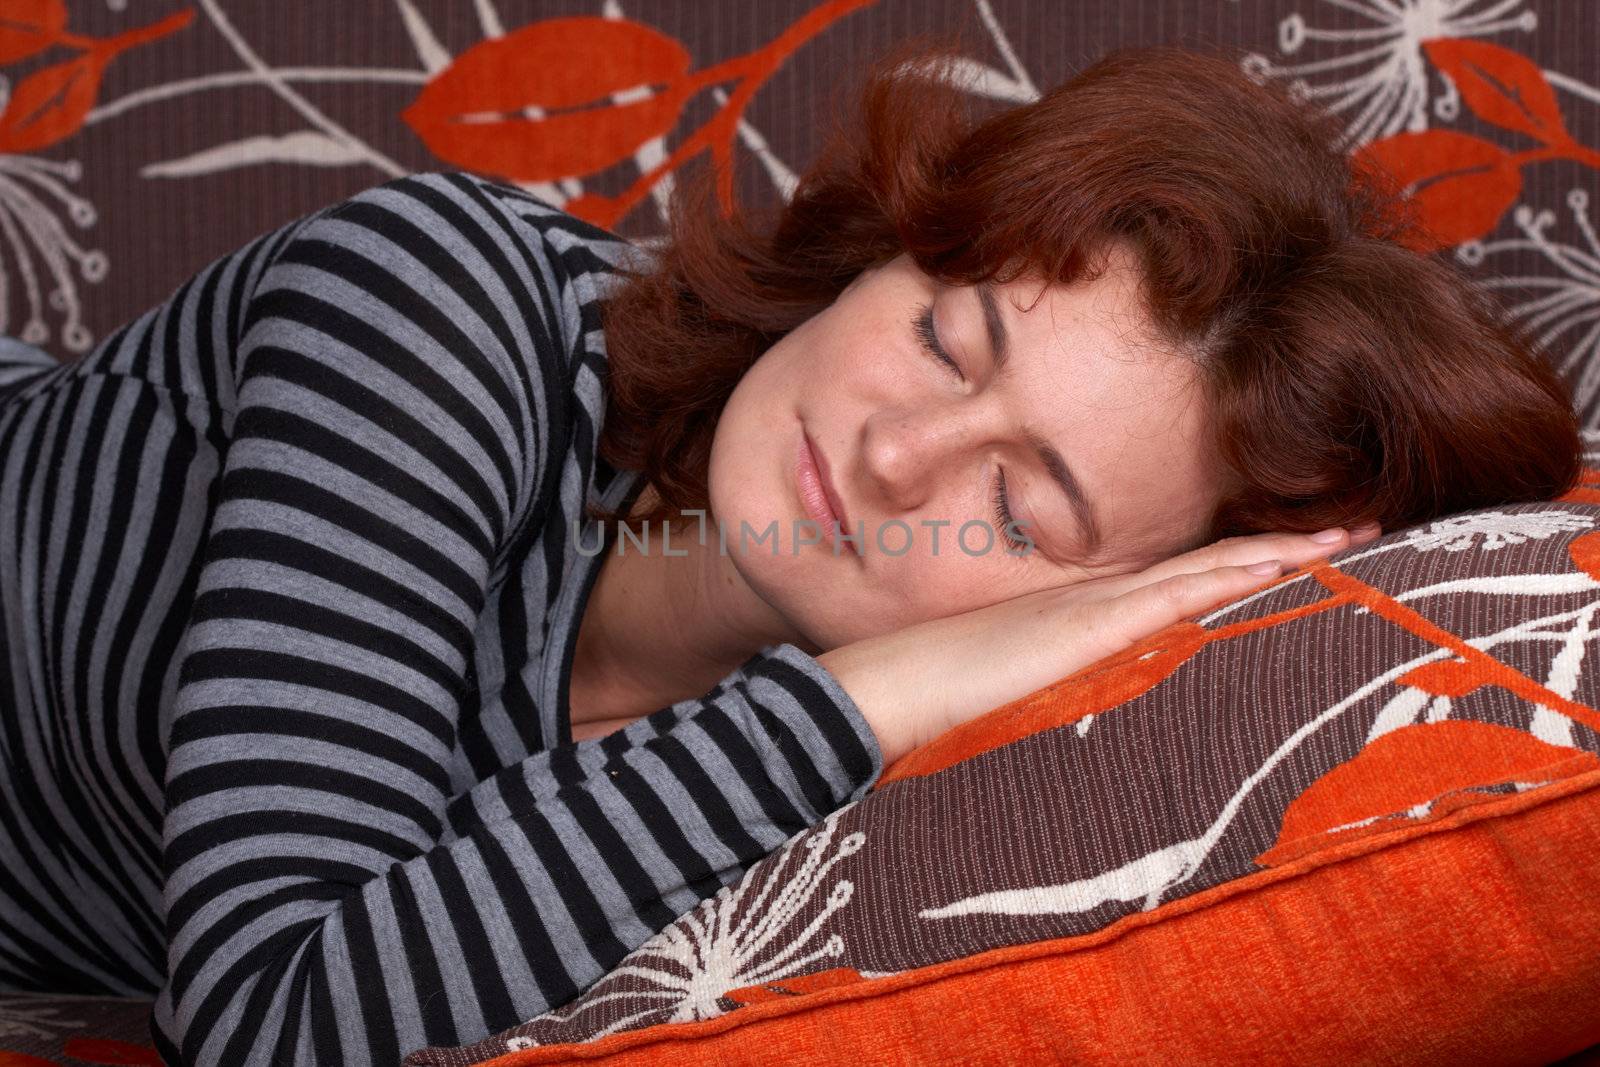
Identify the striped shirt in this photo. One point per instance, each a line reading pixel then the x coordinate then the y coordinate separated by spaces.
pixel 290 594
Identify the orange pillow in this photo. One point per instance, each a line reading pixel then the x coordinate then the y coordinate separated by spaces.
pixel 1354 817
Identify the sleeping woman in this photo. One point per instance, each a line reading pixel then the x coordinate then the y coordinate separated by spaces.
pixel 434 598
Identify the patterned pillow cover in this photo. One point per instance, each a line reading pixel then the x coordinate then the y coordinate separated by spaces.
pixel 1353 817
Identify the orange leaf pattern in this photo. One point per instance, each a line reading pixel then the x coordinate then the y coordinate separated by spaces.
pixel 794 987
pixel 1462 184
pixel 29 26
pixel 569 70
pixel 1501 86
pixel 23 1059
pixel 100 1050
pixel 1410 768
pixel 49 105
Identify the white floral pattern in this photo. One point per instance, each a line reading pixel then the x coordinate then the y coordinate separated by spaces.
pixel 40 251
pixel 1567 300
pixel 1389 90
pixel 1457 533
pixel 22 1016
pixel 690 965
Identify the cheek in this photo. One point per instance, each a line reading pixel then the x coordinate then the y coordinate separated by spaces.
pixel 897 592
pixel 919 586
pixel 746 465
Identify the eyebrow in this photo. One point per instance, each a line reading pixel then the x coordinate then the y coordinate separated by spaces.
pixel 1054 463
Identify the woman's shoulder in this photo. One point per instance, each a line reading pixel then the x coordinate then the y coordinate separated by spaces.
pixel 455 302
pixel 567 262
pixel 563 231
pixel 584 250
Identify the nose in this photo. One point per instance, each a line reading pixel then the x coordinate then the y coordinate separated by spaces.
pixel 908 453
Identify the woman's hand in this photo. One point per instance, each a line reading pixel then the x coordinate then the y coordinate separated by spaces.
pixel 914 684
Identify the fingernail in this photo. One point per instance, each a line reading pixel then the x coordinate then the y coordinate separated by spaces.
pixel 1266 566
pixel 1328 536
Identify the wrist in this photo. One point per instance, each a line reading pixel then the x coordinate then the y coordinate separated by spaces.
pixel 864 679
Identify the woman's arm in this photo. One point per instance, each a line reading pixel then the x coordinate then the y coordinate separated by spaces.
pixel 400 397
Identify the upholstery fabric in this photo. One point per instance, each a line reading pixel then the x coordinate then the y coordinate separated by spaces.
pixel 1354 817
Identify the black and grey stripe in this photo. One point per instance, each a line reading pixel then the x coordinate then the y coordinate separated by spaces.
pixel 289 605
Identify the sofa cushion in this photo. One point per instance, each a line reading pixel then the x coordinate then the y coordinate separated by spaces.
pixel 1352 816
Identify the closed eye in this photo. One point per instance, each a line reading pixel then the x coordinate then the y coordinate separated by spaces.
pixel 922 326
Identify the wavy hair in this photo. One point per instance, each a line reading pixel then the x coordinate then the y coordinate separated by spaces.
pixel 1350 376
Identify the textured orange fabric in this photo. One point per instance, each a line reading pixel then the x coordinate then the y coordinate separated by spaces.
pixel 1472 939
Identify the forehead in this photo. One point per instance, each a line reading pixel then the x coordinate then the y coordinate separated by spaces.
pixel 1126 407
pixel 1110 305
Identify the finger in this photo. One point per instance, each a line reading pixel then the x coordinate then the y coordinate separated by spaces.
pixel 1147 608
pixel 1232 552
pixel 1363 532
pixel 1294 549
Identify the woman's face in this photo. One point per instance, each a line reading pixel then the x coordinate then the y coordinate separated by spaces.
pixel 914 449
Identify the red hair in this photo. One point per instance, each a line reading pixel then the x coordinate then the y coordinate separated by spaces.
pixel 1350 377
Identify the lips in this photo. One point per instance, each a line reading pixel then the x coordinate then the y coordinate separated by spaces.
pixel 827 485
pixel 831 500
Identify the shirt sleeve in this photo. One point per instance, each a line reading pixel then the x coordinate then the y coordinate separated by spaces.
pixel 327 900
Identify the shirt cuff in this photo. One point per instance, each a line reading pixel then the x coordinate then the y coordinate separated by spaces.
pixel 815 733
